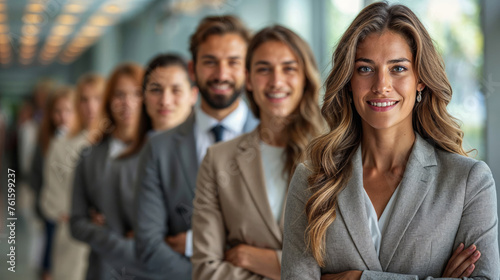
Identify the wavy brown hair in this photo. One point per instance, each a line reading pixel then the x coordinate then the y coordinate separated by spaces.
pixel 105 124
pixel 306 122
pixel 330 155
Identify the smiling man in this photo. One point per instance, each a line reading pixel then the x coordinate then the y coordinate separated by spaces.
pixel 169 163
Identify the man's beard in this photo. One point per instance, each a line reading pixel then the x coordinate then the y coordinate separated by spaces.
pixel 219 101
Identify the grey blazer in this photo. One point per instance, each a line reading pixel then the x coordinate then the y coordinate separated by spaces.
pixel 444 199
pixel 99 183
pixel 164 202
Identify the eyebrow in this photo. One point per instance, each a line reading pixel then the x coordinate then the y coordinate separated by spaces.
pixel 209 56
pixel 263 62
pixel 154 84
pixel 392 61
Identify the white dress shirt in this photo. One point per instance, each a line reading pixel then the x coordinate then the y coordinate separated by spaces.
pixel 233 127
pixel 275 181
pixel 378 226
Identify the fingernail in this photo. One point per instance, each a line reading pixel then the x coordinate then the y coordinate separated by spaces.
pixel 472 248
pixel 461 246
pixel 476 254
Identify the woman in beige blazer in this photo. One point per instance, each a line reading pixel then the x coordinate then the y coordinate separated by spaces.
pixel 388 192
pixel 242 184
pixel 69 256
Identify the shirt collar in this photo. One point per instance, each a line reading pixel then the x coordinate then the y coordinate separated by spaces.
pixel 233 122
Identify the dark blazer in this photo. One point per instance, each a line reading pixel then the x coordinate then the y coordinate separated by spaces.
pixel 444 199
pixel 164 202
pixel 99 182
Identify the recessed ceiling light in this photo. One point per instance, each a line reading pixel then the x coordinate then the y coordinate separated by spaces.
pixel 91 31
pixel 29 40
pixel 62 30
pixel 32 18
pixel 35 8
pixel 111 9
pixel 4 39
pixel 67 19
pixel 30 29
pixel 101 21
pixel 74 8
pixel 56 40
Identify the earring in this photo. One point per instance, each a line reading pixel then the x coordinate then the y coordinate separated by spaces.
pixel 419 96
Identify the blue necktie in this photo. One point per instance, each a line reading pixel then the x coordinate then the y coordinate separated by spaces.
pixel 217 131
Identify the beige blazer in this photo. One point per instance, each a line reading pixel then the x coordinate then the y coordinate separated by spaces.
pixel 69 256
pixel 231 207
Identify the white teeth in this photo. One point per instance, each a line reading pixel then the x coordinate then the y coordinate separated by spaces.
pixel 277 95
pixel 222 87
pixel 382 104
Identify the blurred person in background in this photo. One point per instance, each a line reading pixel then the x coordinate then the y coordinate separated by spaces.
pixel 57 121
pixel 69 256
pixel 169 96
pixel 115 131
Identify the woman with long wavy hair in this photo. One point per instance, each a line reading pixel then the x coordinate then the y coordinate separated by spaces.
pixel 69 256
pixel 113 133
pixel 388 192
pixel 242 184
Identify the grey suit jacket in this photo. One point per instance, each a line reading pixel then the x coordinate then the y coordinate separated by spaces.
pixel 444 199
pixel 97 184
pixel 164 202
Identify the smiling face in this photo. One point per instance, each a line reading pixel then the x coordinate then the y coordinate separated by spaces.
pixel 220 69
pixel 169 97
pixel 276 80
pixel 384 83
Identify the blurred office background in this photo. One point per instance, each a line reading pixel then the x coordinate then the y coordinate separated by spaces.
pixel 60 40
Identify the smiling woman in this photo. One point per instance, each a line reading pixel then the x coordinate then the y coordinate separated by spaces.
pixel 389 192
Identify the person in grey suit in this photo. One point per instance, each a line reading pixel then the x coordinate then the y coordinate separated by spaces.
pixel 169 161
pixel 95 212
pixel 388 192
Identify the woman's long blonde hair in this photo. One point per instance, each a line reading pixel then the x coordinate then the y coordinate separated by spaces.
pixel 306 122
pixel 330 155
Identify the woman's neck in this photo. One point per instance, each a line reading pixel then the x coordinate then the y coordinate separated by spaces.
pixel 124 133
pixel 272 131
pixel 386 150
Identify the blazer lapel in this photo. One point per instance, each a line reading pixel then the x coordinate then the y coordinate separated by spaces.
pixel 351 205
pixel 250 165
pixel 186 149
pixel 414 186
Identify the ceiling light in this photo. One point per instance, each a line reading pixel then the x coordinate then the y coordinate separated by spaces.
pixel 74 8
pixel 35 8
pixel 67 19
pixel 56 40
pixel 4 39
pixel 101 21
pixel 91 31
pixel 32 19
pixel 29 40
pixel 62 30
pixel 111 9
pixel 30 29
